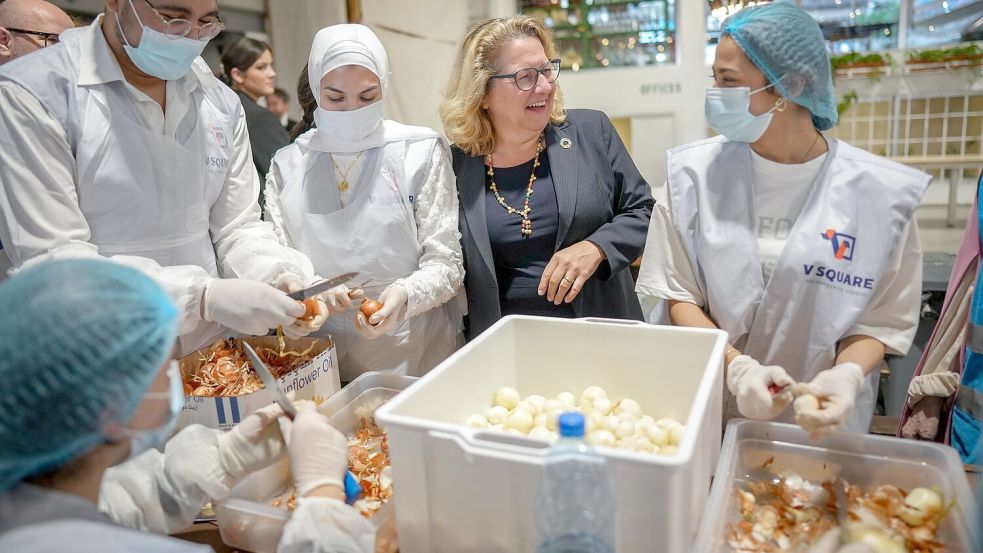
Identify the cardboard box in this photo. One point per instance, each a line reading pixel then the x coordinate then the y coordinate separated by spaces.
pixel 315 380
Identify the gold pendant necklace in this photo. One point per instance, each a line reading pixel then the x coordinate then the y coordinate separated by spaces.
pixel 343 183
pixel 526 227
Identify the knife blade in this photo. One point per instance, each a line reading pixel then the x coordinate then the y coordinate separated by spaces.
pixel 322 286
pixel 271 384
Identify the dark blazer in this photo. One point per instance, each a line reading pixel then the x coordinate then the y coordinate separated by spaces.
pixel 601 197
pixel 266 136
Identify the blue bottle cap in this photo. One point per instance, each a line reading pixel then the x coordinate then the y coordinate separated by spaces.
pixel 571 425
pixel 352 489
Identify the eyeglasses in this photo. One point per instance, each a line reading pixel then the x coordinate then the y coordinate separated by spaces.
pixel 179 28
pixel 526 78
pixel 50 39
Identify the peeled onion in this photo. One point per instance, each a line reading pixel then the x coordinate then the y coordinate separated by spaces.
pixel 676 435
pixel 806 402
pixel 628 409
pixel 625 429
pixel 920 506
pixel 506 397
pixel 667 423
pixel 611 423
pixel 658 435
pixel 478 421
pixel 537 401
pixel 590 395
pixel 567 399
pixel 527 407
pixel 519 420
pixel 601 438
pixel 497 414
pixel 602 405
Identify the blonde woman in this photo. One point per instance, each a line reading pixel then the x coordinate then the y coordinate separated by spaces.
pixel 553 210
pixel 361 193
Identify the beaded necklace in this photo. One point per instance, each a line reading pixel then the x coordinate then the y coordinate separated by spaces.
pixel 526 227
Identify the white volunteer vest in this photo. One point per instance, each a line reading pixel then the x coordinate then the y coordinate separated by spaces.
pixel 375 234
pixel 838 250
pixel 142 193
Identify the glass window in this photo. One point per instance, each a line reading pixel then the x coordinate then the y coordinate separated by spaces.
pixel 609 33
pixel 860 26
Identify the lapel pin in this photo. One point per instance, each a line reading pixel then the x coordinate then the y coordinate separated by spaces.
pixel 566 143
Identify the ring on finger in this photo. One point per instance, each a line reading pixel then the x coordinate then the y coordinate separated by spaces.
pixel 565 281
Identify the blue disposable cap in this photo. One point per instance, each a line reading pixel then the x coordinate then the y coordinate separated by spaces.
pixel 571 425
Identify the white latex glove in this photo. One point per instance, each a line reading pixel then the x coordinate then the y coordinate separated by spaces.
pixel 749 380
pixel 290 283
pixel 318 452
pixel 393 300
pixel 253 444
pixel 339 299
pixel 837 390
pixel 248 306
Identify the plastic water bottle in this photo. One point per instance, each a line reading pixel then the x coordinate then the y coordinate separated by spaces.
pixel 576 505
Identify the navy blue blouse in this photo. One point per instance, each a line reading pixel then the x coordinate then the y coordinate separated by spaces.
pixel 520 261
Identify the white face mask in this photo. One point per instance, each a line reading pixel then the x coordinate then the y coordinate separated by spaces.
pixel 350 126
pixel 727 112
pixel 142 440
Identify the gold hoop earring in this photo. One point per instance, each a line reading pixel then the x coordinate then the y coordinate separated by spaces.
pixel 781 104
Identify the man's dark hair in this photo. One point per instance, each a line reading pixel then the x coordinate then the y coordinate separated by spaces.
pixel 282 94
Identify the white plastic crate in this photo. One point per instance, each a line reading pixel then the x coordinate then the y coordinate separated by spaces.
pixel 460 489
pixel 760 450
pixel 248 521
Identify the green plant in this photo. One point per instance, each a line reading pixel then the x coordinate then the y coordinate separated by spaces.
pixel 854 59
pixel 848 100
pixel 940 55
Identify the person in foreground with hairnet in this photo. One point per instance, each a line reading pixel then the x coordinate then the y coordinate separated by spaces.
pixel 86 403
pixel 803 248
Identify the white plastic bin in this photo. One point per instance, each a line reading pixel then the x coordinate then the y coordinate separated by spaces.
pixel 248 521
pixel 868 461
pixel 459 489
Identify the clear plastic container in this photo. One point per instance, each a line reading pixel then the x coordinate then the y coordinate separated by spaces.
pixel 755 450
pixel 248 521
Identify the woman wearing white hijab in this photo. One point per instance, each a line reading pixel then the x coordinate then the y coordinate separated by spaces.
pixel 361 193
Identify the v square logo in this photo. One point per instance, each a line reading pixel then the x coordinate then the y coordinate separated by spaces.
pixel 843 244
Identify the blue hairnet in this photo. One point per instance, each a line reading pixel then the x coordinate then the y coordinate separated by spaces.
pixel 787 45
pixel 80 342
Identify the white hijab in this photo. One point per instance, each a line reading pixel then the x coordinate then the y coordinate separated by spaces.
pixel 364 128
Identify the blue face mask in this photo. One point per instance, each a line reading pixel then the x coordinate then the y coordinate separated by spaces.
pixel 167 58
pixel 727 112
pixel 142 440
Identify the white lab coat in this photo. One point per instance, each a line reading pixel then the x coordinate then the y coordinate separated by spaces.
pixel 161 493
pixel 92 166
pixel 815 296
pixel 396 224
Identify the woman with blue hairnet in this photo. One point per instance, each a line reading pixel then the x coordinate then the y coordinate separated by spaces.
pixel 86 403
pixel 803 248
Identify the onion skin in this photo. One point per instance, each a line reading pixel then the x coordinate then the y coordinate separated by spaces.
pixel 312 309
pixel 369 307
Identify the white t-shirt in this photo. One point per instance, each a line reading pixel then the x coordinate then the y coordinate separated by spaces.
pixel 667 274
pixel 779 191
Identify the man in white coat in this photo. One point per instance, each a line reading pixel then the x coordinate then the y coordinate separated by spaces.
pixel 120 142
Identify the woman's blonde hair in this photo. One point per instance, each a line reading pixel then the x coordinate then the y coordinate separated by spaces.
pixel 466 124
